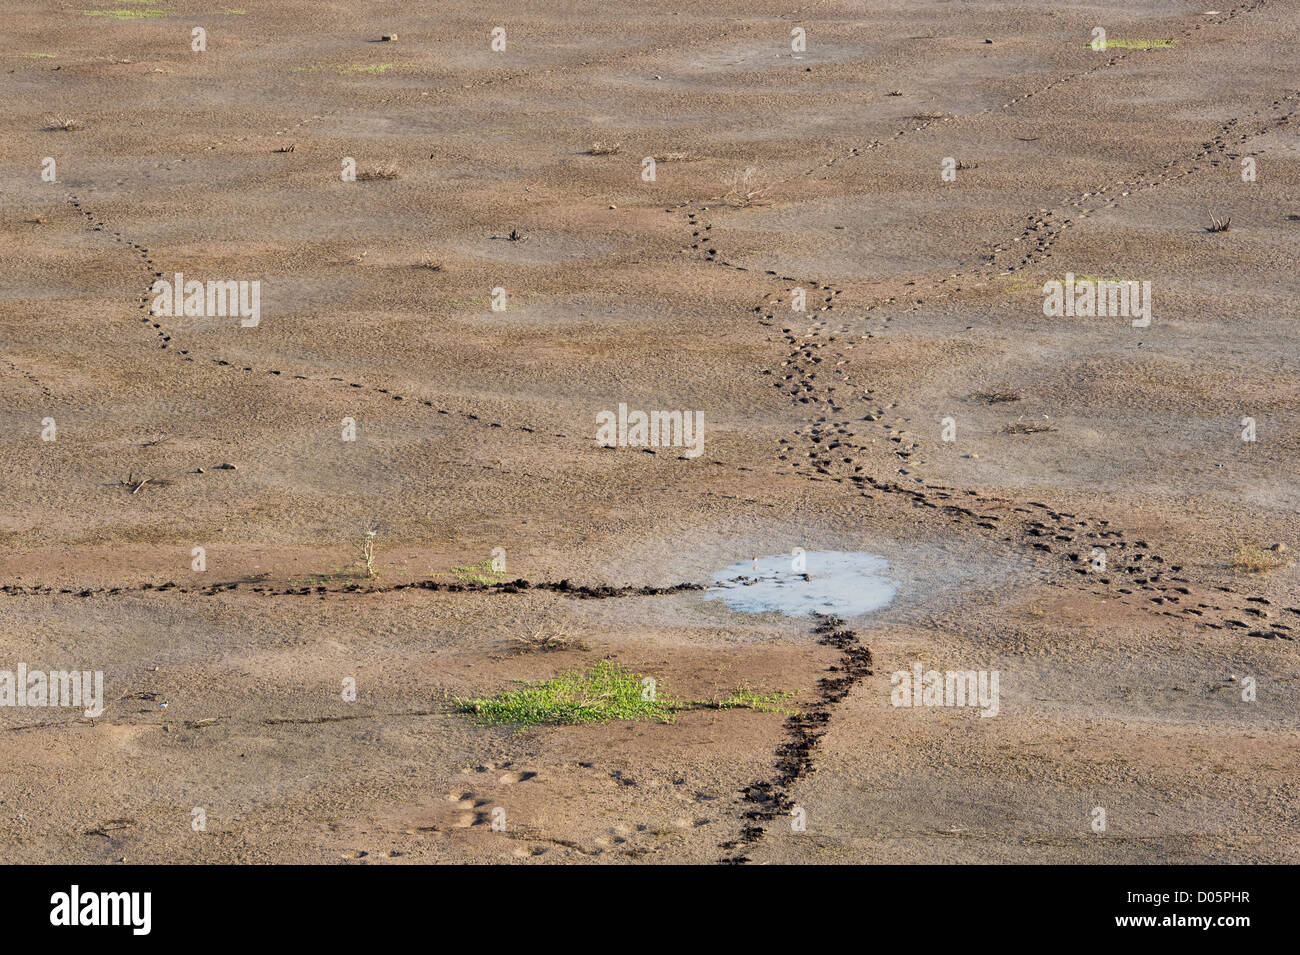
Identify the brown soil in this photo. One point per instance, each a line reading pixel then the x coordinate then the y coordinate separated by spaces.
pixel 475 429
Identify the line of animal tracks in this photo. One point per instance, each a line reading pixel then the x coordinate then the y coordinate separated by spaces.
pixel 827 448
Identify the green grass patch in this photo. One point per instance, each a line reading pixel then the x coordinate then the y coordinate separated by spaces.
pixel 604 693
pixel 480 573
pixel 1135 45
pixel 601 694
pixel 747 699
pixel 126 14
pixel 40 56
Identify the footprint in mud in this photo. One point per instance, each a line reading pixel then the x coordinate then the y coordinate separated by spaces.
pixel 520 777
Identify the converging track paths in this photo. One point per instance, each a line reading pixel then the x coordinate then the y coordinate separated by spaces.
pixel 824 449
pixel 830 454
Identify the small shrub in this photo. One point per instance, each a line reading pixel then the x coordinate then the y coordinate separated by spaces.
pixel 1254 559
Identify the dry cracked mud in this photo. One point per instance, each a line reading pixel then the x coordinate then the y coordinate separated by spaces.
pixel 1068 502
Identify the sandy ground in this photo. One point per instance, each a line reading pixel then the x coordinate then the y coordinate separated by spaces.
pixel 1121 689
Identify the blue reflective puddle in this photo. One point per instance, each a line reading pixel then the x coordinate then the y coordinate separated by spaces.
pixel 844 583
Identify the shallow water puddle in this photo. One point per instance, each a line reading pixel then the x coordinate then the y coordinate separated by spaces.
pixel 844 583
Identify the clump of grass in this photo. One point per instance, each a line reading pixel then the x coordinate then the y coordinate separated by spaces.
pixel 374 70
pixel 1219 225
pixel 601 694
pixel 997 397
pixel 480 573
pixel 126 14
pixel 746 698
pixel 1135 44
pixel 672 157
pixel 1028 427
pixel 604 149
pixel 40 56
pixel 62 124
pixel 742 190
pixel 1254 559
pixel 546 640
pixel 379 172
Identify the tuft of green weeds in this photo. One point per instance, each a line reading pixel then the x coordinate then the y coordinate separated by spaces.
pixel 603 693
pixel 1135 44
pixel 480 573
pixel 126 14
pixel 748 699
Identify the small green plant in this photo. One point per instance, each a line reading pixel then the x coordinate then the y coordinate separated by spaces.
pixel 601 694
pixel 762 702
pixel 1135 45
pixel 605 692
pixel 126 14
pixel 481 573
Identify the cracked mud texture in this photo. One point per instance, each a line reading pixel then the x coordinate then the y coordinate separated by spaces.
pixel 475 429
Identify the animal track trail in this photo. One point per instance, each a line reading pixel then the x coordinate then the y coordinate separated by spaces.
pixel 474 802
pixel 563 587
pixel 766 800
pixel 95 223
pixel 926 122
pixel 30 378
pixel 1048 225
pixel 826 448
